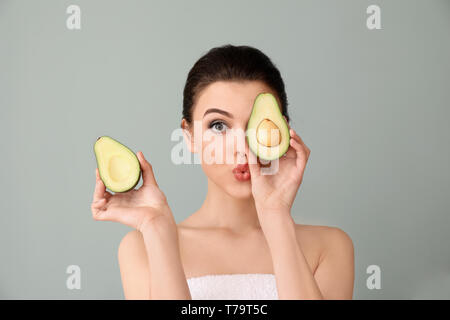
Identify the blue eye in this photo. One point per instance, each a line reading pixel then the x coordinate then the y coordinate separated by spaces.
pixel 217 126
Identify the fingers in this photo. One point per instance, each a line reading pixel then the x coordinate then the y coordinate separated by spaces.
pixel 101 196
pixel 296 136
pixel 291 153
pixel 98 207
pixel 99 204
pixel 103 212
pixel 130 216
pixel 147 171
pixel 301 149
pixel 296 145
pixel 100 188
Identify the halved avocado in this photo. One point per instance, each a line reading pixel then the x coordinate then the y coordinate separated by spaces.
pixel 267 131
pixel 118 166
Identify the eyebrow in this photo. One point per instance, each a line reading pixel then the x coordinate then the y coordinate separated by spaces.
pixel 212 110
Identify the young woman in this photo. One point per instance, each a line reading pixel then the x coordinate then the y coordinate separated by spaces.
pixel 242 243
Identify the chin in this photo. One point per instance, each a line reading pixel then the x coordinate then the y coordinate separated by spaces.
pixel 225 180
pixel 240 190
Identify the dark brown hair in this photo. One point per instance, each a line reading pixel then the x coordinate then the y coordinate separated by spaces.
pixel 232 63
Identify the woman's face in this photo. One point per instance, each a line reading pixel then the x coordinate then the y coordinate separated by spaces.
pixel 221 112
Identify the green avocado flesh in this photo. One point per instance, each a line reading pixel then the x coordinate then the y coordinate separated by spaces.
pixel 118 166
pixel 267 130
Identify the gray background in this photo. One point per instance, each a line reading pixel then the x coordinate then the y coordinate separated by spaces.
pixel 373 106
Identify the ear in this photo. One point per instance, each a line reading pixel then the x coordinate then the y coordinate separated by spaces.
pixel 188 138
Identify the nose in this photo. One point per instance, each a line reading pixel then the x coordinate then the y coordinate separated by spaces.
pixel 242 150
pixel 241 155
pixel 237 143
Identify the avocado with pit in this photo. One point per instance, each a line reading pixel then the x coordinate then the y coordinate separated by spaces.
pixel 118 166
pixel 267 131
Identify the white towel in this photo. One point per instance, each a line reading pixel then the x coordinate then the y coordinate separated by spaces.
pixel 240 286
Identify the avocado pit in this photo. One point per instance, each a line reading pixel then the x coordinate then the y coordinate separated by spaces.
pixel 268 134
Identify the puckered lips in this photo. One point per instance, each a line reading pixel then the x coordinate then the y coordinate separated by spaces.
pixel 242 172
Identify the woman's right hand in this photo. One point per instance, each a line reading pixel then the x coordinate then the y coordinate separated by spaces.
pixel 135 208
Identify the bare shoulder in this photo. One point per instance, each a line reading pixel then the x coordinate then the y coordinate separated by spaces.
pixel 324 238
pixel 337 239
pixel 131 244
pixel 324 233
pixel 334 271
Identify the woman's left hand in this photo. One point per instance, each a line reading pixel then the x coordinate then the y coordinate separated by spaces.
pixel 274 193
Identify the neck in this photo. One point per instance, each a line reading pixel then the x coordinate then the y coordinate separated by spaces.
pixel 220 210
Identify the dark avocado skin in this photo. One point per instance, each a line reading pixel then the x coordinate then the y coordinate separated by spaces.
pixel 140 168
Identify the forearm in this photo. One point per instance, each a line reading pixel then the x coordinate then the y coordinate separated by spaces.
pixel 167 277
pixel 294 277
